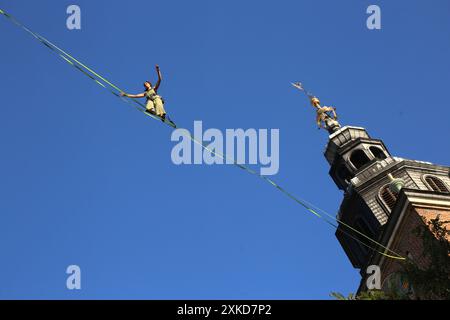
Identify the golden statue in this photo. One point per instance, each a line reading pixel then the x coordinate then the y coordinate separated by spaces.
pixel 326 116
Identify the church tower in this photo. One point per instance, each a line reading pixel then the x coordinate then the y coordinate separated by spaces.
pixel 384 197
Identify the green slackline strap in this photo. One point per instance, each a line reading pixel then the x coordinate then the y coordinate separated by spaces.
pixel 307 206
pixel 91 73
pixel 97 77
pixel 80 66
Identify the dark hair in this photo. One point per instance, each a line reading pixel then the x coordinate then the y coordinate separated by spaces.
pixel 148 83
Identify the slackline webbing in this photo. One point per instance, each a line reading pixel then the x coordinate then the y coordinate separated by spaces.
pixel 115 90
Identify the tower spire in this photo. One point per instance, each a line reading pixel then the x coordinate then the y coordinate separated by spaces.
pixel 326 117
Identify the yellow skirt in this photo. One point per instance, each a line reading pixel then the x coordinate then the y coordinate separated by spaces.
pixel 156 106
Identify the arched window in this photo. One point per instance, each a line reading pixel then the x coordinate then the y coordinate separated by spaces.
pixel 359 158
pixel 436 184
pixel 388 197
pixel 377 153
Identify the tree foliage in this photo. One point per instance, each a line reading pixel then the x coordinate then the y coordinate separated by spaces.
pixel 432 282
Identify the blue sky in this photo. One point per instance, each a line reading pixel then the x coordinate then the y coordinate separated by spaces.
pixel 87 180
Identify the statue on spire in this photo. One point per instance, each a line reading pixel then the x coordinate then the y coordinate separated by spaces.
pixel 326 116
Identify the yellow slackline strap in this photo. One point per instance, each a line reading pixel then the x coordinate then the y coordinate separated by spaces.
pixel 91 73
pixel 304 204
pixel 80 66
pixel 95 76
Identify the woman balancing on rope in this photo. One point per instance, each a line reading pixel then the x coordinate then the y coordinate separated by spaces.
pixel 155 104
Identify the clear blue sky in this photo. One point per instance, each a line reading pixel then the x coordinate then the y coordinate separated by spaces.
pixel 87 180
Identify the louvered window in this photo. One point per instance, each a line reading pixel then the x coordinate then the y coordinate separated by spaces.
pixel 436 184
pixel 388 197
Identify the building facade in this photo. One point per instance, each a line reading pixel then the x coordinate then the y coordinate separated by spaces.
pixel 385 198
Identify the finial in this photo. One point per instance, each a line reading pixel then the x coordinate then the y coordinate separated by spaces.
pixel 315 102
pixel 326 116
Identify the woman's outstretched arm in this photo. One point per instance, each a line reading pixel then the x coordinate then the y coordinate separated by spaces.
pixel 158 71
pixel 140 95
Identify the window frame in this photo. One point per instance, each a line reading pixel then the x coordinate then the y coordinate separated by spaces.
pixel 381 200
pixel 433 177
